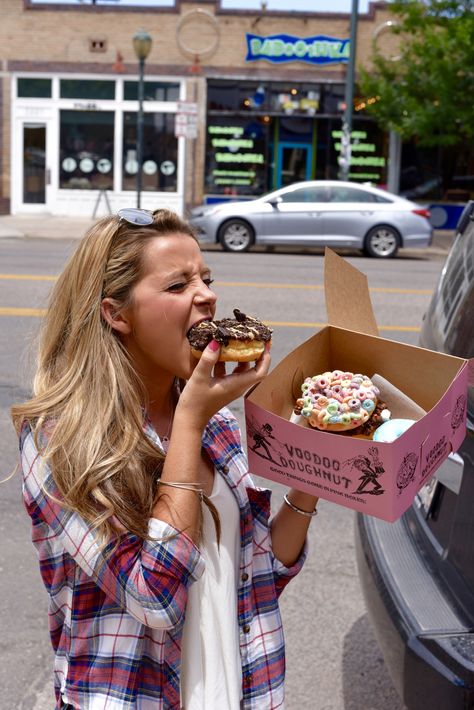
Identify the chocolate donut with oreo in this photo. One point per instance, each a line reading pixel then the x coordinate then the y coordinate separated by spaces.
pixel 242 338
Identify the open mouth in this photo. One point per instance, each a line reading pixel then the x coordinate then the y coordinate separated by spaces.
pixel 202 320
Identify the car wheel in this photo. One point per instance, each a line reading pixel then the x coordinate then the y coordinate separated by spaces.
pixel 236 235
pixel 382 242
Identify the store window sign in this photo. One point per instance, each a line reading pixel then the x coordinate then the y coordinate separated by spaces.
pixel 104 166
pixel 69 165
pixel 318 49
pixel 86 165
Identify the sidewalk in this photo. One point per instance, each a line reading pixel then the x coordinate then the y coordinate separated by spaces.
pixel 43 226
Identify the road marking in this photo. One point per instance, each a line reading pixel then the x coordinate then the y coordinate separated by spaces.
pixel 22 312
pixel 27 277
pixel 39 312
pixel 245 284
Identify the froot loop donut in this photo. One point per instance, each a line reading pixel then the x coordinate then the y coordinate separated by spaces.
pixel 337 401
pixel 242 338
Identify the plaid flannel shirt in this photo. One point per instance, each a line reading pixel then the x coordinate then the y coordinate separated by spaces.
pixel 116 620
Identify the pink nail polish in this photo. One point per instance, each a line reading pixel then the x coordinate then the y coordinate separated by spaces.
pixel 213 345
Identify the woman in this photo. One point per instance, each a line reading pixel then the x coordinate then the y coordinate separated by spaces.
pixel 154 544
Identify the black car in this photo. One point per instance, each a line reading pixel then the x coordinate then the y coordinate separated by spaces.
pixel 417 574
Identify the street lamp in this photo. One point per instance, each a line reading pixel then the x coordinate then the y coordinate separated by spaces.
pixel 142 47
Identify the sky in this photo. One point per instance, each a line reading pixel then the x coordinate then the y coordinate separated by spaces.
pixel 302 5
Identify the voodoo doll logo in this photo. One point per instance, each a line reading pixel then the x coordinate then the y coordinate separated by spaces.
pixel 371 468
pixel 458 413
pixel 262 439
pixel 406 472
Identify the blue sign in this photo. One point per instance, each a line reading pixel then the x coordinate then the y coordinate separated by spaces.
pixel 285 48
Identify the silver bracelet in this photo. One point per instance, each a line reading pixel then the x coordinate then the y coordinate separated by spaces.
pixel 298 510
pixel 194 487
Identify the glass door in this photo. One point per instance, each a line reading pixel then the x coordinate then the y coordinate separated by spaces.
pixel 32 147
pixel 34 164
pixel 294 163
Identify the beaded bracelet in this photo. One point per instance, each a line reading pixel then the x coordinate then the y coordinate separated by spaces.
pixel 298 510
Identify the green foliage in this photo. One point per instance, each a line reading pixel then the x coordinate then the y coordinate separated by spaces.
pixel 428 93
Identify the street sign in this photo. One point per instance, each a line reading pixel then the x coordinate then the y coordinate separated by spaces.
pixel 188 107
pixel 186 122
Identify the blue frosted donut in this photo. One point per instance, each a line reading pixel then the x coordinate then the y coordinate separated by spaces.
pixel 391 430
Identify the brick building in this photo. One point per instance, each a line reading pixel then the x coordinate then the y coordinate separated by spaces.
pixel 267 87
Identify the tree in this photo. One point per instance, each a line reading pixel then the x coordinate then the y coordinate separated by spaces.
pixel 428 93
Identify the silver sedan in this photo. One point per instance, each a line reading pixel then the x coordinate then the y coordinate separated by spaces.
pixel 317 213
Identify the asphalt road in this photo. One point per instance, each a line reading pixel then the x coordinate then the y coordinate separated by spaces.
pixel 333 662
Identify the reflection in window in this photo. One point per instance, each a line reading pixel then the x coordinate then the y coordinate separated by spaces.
pixel 160 152
pixel 153 91
pixel 87 89
pixel 86 150
pixel 34 88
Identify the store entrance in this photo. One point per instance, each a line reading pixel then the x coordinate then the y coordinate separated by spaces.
pixel 31 179
pixel 294 163
pixel 34 164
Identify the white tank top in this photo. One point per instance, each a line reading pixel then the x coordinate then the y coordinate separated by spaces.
pixel 211 669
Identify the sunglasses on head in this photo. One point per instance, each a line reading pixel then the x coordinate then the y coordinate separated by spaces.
pixel 136 216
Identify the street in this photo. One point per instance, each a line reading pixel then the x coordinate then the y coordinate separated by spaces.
pixel 333 662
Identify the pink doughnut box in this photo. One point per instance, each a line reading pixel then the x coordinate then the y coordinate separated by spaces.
pixel 379 479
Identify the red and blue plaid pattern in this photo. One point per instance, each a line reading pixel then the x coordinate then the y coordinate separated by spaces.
pixel 116 614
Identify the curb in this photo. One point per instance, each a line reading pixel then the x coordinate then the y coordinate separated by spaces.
pixel 6 233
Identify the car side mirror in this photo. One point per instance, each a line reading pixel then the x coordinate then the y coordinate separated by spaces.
pixel 274 201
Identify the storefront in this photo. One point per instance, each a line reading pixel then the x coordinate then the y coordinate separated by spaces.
pixel 74 144
pixel 266 90
pixel 265 135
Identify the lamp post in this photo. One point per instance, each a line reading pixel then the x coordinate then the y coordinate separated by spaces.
pixel 142 47
pixel 345 154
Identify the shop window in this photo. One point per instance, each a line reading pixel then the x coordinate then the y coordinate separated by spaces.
pixel 236 96
pixel 153 91
pixel 87 89
pixel 236 156
pixel 295 98
pixel 30 88
pixel 86 150
pixel 369 149
pixel 333 99
pixel 160 152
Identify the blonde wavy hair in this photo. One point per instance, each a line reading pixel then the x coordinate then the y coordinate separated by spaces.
pixel 88 400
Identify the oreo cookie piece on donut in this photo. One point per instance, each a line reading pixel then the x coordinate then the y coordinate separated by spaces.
pixel 242 338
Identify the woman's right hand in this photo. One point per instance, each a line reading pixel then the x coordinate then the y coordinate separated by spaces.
pixel 209 388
